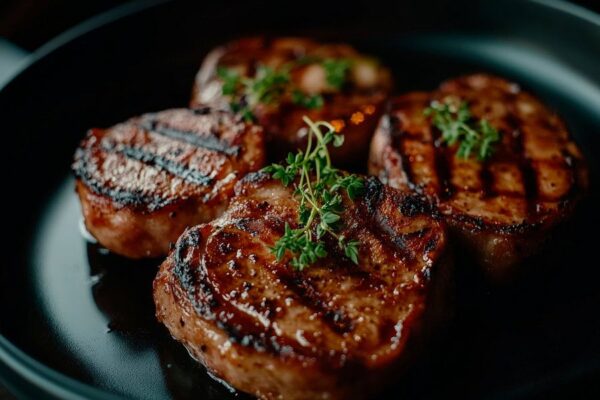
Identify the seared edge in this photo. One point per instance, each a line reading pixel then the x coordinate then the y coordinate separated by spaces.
pixel 222 293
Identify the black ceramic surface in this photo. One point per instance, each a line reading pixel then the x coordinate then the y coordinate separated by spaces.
pixel 86 316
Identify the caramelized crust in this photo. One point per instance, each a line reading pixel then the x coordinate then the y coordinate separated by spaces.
pixel 354 110
pixel 142 182
pixel 502 208
pixel 333 331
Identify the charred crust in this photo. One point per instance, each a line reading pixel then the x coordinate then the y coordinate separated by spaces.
pixel 415 204
pixel 99 143
pixel 513 150
pixel 191 278
pixel 477 224
pixel 162 163
pixel 373 194
pixel 432 244
pixel 245 225
pixel 136 199
pixel 207 141
pixel 182 266
pixel 253 179
pixel 201 110
pixel 237 335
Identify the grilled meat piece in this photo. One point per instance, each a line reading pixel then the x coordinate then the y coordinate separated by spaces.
pixel 335 330
pixel 501 209
pixel 142 182
pixel 354 108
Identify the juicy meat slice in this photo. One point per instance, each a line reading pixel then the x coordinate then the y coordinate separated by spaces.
pixel 335 330
pixel 502 209
pixel 142 182
pixel 353 109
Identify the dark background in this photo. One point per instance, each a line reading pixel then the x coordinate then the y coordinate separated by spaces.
pixel 28 24
pixel 31 23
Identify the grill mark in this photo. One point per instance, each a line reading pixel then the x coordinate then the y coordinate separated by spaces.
pixel 481 226
pixel 487 180
pixel 442 168
pixel 123 197
pixel 210 304
pixel 574 166
pixel 266 340
pixel 414 204
pixel 308 296
pixel 237 335
pixel 408 205
pixel 154 160
pixel 442 165
pixel 395 242
pixel 209 142
pixel 200 292
pixel 81 168
pixel 397 135
pixel 192 280
pixel 373 195
pixel 529 177
pixel 199 110
pixel 406 166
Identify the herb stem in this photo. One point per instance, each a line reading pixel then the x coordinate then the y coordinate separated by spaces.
pixel 316 129
pixel 317 186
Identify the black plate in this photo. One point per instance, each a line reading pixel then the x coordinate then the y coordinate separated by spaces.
pixel 78 323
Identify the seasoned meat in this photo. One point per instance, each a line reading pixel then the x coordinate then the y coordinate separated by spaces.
pixel 503 208
pixel 354 108
pixel 335 330
pixel 142 182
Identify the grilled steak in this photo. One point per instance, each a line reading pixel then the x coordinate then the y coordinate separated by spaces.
pixel 142 182
pixel 335 330
pixel 354 108
pixel 501 209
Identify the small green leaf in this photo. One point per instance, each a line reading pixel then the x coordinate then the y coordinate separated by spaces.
pixel 320 251
pixel 338 140
pixel 231 80
pixel 307 101
pixel 280 252
pixel 336 70
pixel 351 251
pixel 330 218
pixel 290 158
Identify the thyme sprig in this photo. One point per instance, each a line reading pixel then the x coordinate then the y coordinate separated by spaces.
pixel 458 125
pixel 318 186
pixel 269 85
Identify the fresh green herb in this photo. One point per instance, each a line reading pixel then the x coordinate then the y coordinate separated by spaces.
pixel 318 186
pixel 458 125
pixel 336 70
pixel 231 80
pixel 270 85
pixel 267 87
pixel 307 101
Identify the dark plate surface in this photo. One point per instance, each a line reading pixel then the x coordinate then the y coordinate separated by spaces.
pixel 88 315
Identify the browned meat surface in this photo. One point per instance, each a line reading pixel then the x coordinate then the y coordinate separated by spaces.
pixel 142 182
pixel 502 209
pixel 335 330
pixel 354 108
